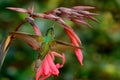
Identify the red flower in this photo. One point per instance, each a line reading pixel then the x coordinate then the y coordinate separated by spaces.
pixel 48 67
pixel 75 41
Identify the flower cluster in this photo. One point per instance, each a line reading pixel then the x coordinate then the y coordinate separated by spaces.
pixel 48 67
pixel 75 14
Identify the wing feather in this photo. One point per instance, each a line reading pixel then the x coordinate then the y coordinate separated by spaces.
pixel 62 46
pixel 32 40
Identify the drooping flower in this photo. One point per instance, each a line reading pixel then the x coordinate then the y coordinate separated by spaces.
pixel 48 67
pixel 75 41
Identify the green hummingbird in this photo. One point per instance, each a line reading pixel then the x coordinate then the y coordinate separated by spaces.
pixel 42 44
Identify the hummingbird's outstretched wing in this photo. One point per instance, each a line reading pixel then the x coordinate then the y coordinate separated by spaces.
pixel 60 45
pixel 32 40
pixel 67 44
pixel 4 46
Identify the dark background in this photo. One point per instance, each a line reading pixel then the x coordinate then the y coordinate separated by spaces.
pixel 101 44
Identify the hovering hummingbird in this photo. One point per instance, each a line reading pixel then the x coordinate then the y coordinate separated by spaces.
pixel 42 44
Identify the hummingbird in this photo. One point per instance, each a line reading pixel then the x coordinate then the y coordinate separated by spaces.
pixel 42 44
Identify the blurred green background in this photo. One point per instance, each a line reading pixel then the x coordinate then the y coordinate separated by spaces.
pixel 101 44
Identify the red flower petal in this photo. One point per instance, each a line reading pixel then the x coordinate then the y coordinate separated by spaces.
pixel 79 55
pixel 72 35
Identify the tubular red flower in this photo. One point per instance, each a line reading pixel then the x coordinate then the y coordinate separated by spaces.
pixel 71 34
pixel 35 27
pixel 75 41
pixel 36 30
pixel 48 67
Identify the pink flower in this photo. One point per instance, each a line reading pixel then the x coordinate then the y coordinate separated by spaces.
pixel 75 41
pixel 48 67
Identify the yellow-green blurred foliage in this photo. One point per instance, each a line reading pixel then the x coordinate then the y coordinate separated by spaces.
pixel 101 44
